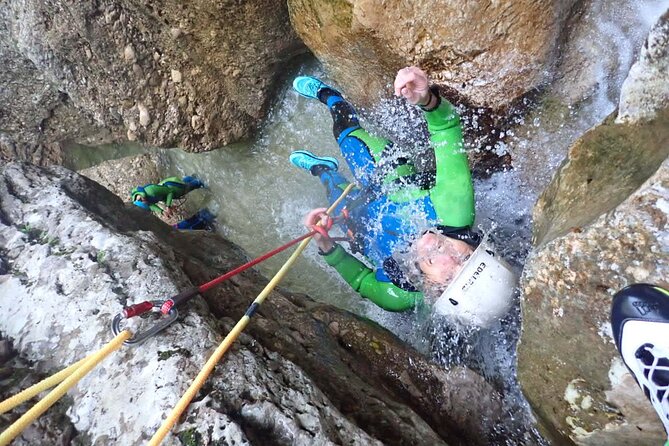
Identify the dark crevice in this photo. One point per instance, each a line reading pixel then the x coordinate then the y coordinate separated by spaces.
pixel 14 193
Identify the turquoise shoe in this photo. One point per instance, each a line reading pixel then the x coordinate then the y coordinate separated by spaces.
pixel 308 86
pixel 307 160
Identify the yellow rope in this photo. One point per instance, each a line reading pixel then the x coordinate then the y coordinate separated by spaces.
pixel 197 384
pixel 41 386
pixel 43 405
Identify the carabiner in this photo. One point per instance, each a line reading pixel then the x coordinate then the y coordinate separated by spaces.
pixel 160 325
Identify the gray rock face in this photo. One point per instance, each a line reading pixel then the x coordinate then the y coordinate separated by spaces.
pixel 196 76
pixel 302 373
pixel 646 89
pixel 568 366
pixel 602 168
pixel 613 159
pixel 490 52
pixel 595 57
pixel 599 226
pixel 71 269
pixel 120 176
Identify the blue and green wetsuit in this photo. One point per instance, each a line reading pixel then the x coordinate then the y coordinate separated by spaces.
pixel 387 221
pixel 167 190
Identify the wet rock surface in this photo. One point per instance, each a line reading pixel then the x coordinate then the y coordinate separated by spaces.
pixel 302 373
pixel 489 52
pixel 166 74
pixel 612 160
pixel 603 168
pixel 568 365
pixel 646 89
pixel 599 226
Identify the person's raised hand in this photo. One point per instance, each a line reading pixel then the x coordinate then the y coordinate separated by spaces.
pixel 312 219
pixel 412 84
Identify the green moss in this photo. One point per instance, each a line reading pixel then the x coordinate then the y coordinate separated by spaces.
pixel 100 256
pixel 22 276
pixel 554 109
pixel 190 437
pixel 36 235
pixel 63 251
pixel 164 355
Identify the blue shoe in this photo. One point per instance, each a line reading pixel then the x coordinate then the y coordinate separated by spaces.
pixel 193 181
pixel 640 323
pixel 206 215
pixel 307 161
pixel 308 86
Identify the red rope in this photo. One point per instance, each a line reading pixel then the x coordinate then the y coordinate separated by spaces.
pixel 136 310
pixel 247 265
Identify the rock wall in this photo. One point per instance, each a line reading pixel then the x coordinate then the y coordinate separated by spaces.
pixel 646 89
pixel 568 365
pixel 195 75
pixel 612 160
pixel 602 169
pixel 303 373
pixel 120 176
pixel 599 226
pixel 489 52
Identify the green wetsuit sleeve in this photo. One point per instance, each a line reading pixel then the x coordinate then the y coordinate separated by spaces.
pixel 453 193
pixel 175 187
pixel 361 278
pixel 168 199
pixel 157 191
pixel 156 208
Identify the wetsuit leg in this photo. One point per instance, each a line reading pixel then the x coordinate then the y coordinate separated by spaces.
pixel 335 183
pixel 180 188
pixel 360 149
pixel 188 223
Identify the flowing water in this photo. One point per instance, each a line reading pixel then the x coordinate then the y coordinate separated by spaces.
pixel 260 198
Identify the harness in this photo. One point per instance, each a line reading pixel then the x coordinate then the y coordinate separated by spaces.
pixel 388 268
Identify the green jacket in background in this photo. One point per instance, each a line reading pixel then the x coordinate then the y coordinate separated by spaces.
pixel 167 190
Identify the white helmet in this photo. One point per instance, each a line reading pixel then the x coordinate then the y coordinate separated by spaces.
pixel 482 292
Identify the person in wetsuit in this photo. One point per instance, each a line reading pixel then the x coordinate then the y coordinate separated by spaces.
pixel 148 196
pixel 430 214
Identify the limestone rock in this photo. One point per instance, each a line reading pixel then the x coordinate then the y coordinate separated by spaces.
pixel 70 72
pixel 120 176
pixel 602 168
pixel 646 89
pixel 489 52
pixel 16 374
pixel 599 226
pixel 613 159
pixel 72 271
pixel 568 365
pixel 592 60
pixel 144 116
